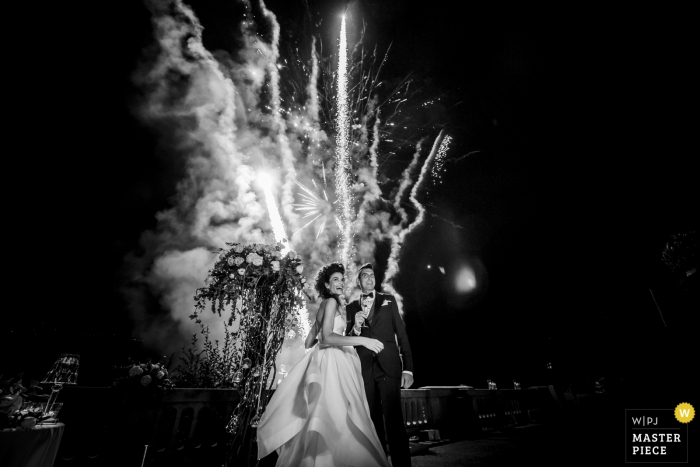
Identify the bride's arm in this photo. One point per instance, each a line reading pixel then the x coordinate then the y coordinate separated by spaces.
pixel 331 338
pixel 311 338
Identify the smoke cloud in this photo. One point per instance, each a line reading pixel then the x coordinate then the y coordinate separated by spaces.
pixel 225 120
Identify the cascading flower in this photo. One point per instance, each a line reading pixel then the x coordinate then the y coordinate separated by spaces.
pixel 262 291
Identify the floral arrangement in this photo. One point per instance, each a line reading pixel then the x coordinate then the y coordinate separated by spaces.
pixel 145 378
pixel 241 269
pixel 258 291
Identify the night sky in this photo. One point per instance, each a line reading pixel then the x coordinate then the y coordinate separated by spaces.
pixel 581 126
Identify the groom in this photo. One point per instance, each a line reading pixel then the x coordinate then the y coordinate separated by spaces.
pixel 376 315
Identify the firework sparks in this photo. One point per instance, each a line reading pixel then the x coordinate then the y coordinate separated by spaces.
pixel 416 187
pixel 436 170
pixel 314 204
pixel 342 171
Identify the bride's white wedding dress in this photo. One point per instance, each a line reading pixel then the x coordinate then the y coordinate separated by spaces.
pixel 319 416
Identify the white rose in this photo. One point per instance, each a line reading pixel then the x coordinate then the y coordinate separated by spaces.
pixel 238 260
pixel 135 370
pixel 146 380
pixel 300 269
pixel 230 261
pixel 241 271
pixel 275 265
pixel 254 259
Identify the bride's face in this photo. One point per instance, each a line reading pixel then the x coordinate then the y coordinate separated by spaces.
pixel 336 283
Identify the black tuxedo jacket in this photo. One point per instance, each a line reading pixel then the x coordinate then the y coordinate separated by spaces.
pixel 386 323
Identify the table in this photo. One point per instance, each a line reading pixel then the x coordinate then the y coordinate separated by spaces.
pixel 36 447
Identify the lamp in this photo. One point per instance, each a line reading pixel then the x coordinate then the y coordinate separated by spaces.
pixel 64 371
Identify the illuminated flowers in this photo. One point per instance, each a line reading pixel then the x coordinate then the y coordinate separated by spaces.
pixel 238 261
pixel 254 259
pixel 292 254
pixel 300 269
pixel 146 376
pixel 230 261
pixel 275 265
pixel 240 271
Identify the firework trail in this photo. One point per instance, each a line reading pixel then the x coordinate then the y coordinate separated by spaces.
pixel 275 218
pixel 342 170
pixel 399 235
pixel 414 191
pixel 311 89
pixel 366 214
pixel 280 125
pixel 406 181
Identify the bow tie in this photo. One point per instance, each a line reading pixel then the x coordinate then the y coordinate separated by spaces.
pixel 370 295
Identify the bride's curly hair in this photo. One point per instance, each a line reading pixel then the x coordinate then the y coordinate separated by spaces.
pixel 324 275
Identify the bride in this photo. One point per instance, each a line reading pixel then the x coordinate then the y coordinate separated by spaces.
pixel 319 416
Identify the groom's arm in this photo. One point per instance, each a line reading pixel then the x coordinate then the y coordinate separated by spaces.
pixel 351 322
pixel 402 340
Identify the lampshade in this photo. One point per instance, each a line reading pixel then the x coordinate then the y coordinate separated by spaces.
pixel 64 371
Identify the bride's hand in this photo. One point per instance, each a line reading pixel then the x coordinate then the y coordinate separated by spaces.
pixel 374 345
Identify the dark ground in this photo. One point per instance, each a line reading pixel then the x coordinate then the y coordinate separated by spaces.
pixel 595 436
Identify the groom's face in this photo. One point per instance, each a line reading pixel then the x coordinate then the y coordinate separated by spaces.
pixel 367 280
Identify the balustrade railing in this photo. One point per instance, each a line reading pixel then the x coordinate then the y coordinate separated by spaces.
pixel 187 426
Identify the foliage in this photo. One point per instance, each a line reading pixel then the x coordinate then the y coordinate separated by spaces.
pixel 211 367
pixel 259 292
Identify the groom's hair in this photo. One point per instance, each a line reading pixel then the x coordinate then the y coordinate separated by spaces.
pixel 364 266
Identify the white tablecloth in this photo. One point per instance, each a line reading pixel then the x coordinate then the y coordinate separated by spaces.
pixel 36 447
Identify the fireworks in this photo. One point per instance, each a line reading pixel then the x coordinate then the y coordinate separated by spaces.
pixel 342 171
pixel 314 204
pixel 398 238
pixel 275 219
pixel 436 170
pixel 321 136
